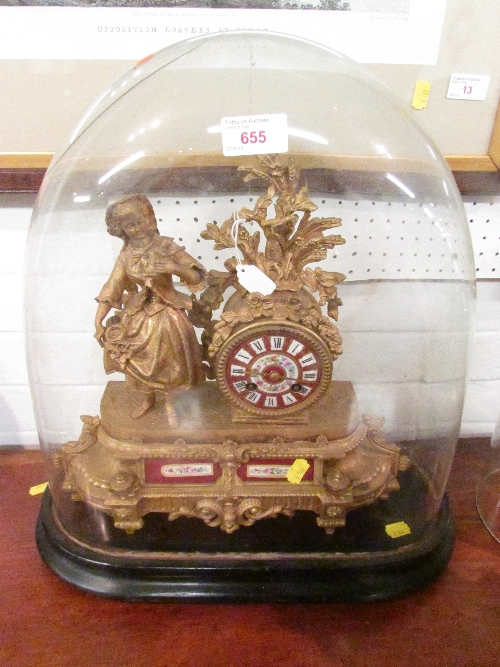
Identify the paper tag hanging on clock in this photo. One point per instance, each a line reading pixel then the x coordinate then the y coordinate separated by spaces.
pixel 254 280
pixel 254 135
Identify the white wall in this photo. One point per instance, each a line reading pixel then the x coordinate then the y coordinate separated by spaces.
pixel 17 424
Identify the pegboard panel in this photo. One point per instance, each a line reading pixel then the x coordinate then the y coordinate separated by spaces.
pixel 384 240
pixel 484 222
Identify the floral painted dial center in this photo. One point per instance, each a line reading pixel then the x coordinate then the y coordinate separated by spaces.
pixel 273 374
pixel 271 367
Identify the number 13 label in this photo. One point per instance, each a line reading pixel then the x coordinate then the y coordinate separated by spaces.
pixel 468 87
pixel 254 135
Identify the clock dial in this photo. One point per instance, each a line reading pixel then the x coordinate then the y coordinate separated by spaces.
pixel 274 368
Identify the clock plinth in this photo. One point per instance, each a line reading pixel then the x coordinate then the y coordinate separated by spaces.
pixel 243 417
pixel 205 415
pixel 228 474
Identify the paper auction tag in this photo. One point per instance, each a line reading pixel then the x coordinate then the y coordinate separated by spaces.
pixel 254 280
pixel 39 488
pixel 254 135
pixel 399 529
pixel 421 94
pixel 297 470
pixel 468 87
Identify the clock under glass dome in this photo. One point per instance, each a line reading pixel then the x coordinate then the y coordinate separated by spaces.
pixel 248 301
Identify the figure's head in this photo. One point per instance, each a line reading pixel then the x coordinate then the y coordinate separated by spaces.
pixel 131 216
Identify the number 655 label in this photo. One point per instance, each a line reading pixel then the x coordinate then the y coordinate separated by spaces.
pixel 254 135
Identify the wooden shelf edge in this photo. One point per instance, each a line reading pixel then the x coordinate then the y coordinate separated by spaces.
pixel 28 161
pixel 23 172
pixel 494 147
pixel 25 161
pixel 470 163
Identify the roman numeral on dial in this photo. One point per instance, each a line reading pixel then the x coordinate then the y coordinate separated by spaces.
pixel 295 348
pixel 258 345
pixel 307 360
pixel 277 342
pixel 240 386
pixel 244 356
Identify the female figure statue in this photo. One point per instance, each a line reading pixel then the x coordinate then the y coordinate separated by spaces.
pixel 150 338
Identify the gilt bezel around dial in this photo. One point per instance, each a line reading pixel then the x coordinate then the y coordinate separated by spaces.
pixel 274 368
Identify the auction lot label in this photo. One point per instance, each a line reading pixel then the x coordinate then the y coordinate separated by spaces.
pixel 254 135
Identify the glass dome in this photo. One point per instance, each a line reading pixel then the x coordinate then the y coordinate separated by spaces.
pixel 290 395
pixel 488 487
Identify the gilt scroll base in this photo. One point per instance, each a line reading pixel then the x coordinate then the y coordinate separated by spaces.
pixel 323 540
pixel 229 475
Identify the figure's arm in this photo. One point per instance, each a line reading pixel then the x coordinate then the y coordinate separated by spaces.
pixel 111 296
pixel 102 310
pixel 188 274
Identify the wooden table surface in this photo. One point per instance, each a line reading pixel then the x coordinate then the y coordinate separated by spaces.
pixel 454 622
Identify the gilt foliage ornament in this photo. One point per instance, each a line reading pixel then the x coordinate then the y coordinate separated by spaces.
pixel 293 238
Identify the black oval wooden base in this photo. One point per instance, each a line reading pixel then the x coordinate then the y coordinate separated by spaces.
pixel 242 576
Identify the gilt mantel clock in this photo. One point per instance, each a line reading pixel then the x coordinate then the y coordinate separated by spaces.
pixel 247 365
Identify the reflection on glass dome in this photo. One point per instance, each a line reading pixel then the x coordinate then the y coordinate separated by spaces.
pixel 284 281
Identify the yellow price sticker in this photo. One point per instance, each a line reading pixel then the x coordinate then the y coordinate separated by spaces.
pixel 399 529
pixel 421 94
pixel 297 470
pixel 39 488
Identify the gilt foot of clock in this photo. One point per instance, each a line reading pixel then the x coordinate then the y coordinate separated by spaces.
pixel 229 475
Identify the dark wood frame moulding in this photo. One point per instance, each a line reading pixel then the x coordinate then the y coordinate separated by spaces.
pixel 474 174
